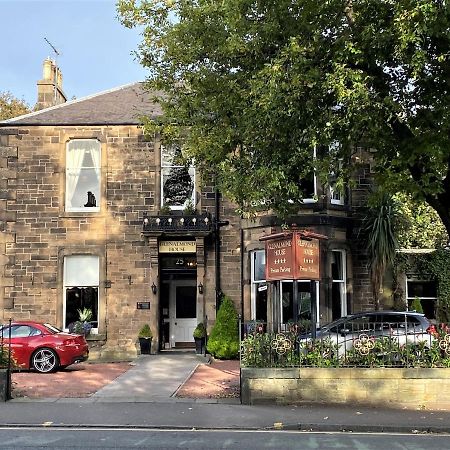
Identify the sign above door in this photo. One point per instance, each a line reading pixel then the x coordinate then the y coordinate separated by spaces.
pixel 177 247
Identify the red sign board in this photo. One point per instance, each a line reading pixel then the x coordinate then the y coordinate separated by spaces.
pixel 306 258
pixel 292 257
pixel 279 259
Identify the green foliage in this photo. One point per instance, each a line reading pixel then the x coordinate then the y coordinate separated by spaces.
pixel 436 266
pixel 11 107
pixel 416 305
pixel 145 331
pixel 4 357
pixel 223 342
pixel 418 225
pixel 200 331
pixel 85 314
pixel 259 84
pixel 189 209
pixel 165 210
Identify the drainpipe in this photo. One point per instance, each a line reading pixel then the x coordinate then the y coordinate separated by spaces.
pixel 217 246
pixel 217 224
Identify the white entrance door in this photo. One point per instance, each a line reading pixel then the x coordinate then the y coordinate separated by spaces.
pixel 183 312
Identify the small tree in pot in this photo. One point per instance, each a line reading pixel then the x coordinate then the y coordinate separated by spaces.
pixel 199 337
pixel 145 339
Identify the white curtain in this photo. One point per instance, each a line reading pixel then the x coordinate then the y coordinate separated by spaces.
pixel 76 150
pixel 94 148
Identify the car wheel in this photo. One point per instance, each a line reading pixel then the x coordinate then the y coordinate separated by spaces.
pixel 44 360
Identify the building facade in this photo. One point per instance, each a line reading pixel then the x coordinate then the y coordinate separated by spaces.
pixel 95 214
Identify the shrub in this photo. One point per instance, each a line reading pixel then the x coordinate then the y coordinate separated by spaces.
pixel 200 331
pixel 145 331
pixel 223 343
pixel 416 305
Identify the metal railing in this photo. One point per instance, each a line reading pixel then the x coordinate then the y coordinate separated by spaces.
pixel 6 357
pixel 374 344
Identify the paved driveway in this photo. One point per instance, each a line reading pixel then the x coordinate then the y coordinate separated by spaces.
pixel 149 378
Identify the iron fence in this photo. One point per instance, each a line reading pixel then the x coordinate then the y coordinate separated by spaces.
pixel 6 361
pixel 370 344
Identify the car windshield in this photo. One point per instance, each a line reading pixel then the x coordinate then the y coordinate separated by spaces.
pixel 52 328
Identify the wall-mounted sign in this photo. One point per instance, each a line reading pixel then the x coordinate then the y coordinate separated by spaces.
pixel 177 247
pixel 143 305
pixel 292 257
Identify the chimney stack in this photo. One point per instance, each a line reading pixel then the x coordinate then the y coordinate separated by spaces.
pixel 50 92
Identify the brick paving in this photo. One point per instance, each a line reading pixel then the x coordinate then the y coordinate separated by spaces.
pixel 219 379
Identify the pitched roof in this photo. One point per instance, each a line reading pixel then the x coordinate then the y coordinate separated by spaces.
pixel 120 106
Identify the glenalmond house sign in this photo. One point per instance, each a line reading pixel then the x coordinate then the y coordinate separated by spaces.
pixel 293 255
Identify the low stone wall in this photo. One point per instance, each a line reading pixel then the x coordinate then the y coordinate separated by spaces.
pixel 4 374
pixel 392 387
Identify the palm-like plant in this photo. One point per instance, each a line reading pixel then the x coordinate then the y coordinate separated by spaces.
pixel 379 229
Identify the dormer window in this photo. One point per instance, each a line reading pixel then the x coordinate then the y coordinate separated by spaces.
pixel 177 179
pixel 83 170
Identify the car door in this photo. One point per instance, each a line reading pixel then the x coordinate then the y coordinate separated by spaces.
pixel 20 339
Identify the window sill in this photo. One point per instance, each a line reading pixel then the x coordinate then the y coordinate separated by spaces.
pixel 96 337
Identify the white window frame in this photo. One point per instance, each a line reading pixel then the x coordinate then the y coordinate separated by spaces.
pixel 69 168
pixel 299 281
pixel 314 198
pixel 408 298
pixel 336 197
pixel 67 285
pixel 342 281
pixel 192 173
pixel 255 283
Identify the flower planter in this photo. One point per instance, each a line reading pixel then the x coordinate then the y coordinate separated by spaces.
pixel 145 345
pixel 199 345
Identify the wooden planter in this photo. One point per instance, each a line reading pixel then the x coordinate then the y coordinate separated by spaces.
pixel 199 345
pixel 145 345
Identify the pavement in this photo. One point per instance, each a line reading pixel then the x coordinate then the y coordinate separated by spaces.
pixel 154 392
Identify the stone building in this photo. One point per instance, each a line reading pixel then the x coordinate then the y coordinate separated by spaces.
pixel 94 214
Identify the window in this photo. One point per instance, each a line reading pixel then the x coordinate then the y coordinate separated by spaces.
pixel 19 331
pixel 337 195
pixel 338 290
pixel 83 165
pixel 81 283
pixel 308 185
pixel 304 304
pixel 426 291
pixel 259 286
pixel 177 179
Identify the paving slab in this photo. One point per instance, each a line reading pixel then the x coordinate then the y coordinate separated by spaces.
pixel 151 378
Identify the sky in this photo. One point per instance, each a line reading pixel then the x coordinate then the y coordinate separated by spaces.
pixel 95 49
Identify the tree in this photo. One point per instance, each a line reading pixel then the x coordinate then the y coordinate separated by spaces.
pixel 379 230
pixel 260 83
pixel 11 107
pixel 417 224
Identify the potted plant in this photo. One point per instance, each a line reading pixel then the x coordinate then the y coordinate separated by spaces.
pixel 82 325
pixel 145 339
pixel 199 338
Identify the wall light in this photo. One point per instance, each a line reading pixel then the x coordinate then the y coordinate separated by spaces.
pixel 154 288
pixel 200 288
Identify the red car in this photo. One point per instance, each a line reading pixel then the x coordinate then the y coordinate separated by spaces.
pixel 42 346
